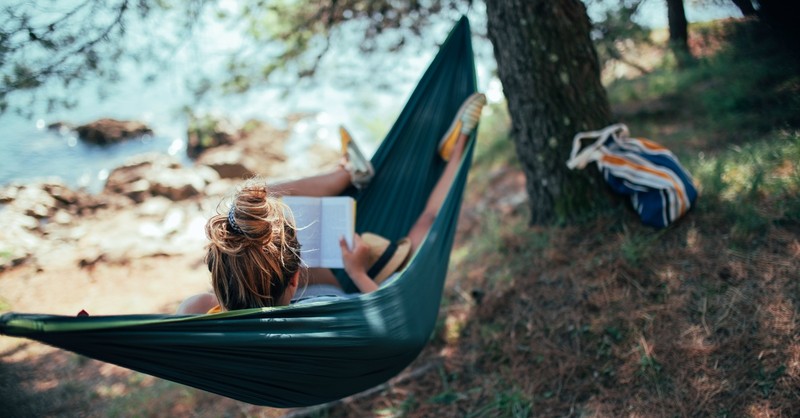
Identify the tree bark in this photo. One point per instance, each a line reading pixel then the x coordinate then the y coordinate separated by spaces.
pixel 551 78
pixel 678 32
pixel 745 6
pixel 781 15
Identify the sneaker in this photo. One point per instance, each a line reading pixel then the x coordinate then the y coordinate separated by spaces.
pixel 359 167
pixel 464 123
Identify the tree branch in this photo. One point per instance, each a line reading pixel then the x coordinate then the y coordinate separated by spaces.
pixel 53 68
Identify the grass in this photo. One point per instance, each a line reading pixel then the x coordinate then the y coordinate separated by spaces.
pixel 611 318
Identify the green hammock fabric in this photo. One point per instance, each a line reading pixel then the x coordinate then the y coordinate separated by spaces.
pixel 311 354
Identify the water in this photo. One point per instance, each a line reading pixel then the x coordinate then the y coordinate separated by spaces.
pixel 29 151
pixel 36 153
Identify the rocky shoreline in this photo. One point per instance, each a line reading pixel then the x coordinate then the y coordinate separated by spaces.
pixel 151 206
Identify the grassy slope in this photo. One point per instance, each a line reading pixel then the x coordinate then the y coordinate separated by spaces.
pixel 611 318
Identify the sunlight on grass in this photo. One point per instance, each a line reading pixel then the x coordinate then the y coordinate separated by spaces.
pixel 454 324
pixel 771 166
pixel 753 184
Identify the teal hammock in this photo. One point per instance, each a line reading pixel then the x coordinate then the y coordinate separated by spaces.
pixel 311 354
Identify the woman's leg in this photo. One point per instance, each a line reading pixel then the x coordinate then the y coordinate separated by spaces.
pixel 327 184
pixel 464 124
pixel 437 196
pixel 355 170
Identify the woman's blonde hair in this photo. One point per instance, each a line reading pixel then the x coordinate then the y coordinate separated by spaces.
pixel 254 252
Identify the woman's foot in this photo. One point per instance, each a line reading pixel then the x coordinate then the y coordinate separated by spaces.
pixel 359 167
pixel 464 123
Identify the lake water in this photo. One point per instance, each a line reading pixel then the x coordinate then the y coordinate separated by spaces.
pixel 30 151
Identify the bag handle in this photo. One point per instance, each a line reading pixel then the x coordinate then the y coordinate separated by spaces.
pixel 593 152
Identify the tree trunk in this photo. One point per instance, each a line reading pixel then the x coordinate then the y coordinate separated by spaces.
pixel 678 32
pixel 551 78
pixel 781 15
pixel 746 7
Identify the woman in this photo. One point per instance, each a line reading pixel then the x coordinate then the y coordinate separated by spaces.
pixel 254 255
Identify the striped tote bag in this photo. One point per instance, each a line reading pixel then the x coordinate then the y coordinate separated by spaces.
pixel 660 189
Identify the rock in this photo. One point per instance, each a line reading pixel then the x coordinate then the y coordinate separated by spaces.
pixel 111 131
pixel 18 239
pixel 55 227
pixel 209 175
pixel 219 189
pixel 229 163
pixel 61 127
pixel 207 132
pixel 62 193
pixel 158 176
pixel 131 180
pixel 258 149
pixel 35 202
pixel 137 191
pixel 176 184
pixel 8 194
pixel 62 217
pixel 155 207
pixel 25 222
pixel 12 257
pixel 42 201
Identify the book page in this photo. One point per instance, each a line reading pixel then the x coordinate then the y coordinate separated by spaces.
pixel 320 222
pixel 307 213
pixel 338 220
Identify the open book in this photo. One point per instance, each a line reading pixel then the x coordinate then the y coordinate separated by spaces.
pixel 321 222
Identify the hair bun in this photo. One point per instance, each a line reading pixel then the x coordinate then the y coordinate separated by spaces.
pixel 253 251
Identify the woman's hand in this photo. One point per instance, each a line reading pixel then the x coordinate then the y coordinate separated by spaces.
pixel 356 263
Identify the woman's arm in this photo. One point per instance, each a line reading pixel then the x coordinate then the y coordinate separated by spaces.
pixel 198 304
pixel 356 264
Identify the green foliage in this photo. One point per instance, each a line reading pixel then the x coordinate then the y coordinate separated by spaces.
pixel 751 86
pixel 752 185
pixel 766 379
pixel 48 49
pixel 637 244
pixel 648 365
pixel 288 40
pixel 617 31
pixel 401 410
pixel 208 131
pixel 511 403
pixel 447 396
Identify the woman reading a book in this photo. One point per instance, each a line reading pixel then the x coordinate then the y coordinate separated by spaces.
pixel 254 254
